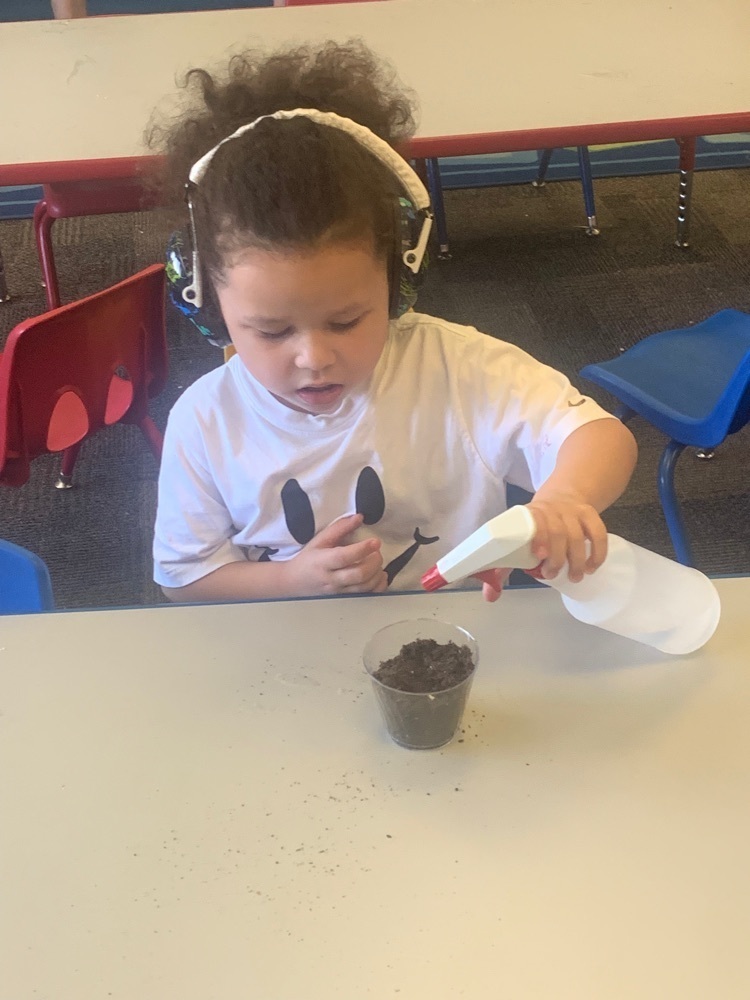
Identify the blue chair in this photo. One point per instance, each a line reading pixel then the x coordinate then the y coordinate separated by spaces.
pixel 693 385
pixel 25 585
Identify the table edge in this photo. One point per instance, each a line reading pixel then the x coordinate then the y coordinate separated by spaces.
pixel 118 168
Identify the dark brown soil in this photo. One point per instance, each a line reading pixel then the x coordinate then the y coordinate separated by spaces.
pixel 426 665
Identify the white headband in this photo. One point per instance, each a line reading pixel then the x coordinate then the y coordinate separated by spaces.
pixel 412 257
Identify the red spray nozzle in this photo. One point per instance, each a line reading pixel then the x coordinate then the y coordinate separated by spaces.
pixel 432 580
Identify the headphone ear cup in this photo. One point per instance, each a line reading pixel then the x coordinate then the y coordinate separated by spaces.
pixel 208 319
pixel 404 283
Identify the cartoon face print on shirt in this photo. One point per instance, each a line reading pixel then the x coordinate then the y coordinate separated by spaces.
pixel 369 501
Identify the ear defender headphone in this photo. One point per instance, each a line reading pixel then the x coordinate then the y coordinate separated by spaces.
pixel 186 282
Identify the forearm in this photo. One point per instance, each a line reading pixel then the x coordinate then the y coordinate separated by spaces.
pixel 237 581
pixel 594 464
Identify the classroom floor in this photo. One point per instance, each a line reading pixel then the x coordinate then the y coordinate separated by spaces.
pixel 522 270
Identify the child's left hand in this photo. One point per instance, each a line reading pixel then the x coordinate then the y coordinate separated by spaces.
pixel 564 523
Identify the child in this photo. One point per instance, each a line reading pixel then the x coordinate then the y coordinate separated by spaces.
pixel 351 441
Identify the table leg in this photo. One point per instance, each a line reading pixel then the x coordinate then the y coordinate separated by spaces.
pixel 541 173
pixel 687 165
pixel 4 293
pixel 587 183
pixel 438 207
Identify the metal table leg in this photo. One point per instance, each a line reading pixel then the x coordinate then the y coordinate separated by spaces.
pixel 587 183
pixel 539 181
pixel 687 165
pixel 438 206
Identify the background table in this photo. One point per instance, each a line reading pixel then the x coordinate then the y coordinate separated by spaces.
pixel 200 803
pixel 490 76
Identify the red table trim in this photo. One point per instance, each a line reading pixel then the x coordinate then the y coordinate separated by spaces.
pixel 427 146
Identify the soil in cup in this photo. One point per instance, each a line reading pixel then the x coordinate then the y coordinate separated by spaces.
pixel 422 692
pixel 425 665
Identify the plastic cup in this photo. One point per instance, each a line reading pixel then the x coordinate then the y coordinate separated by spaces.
pixel 419 720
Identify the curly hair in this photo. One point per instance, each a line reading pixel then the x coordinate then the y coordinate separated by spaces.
pixel 293 184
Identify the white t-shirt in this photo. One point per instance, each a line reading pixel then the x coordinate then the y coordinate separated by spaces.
pixel 423 451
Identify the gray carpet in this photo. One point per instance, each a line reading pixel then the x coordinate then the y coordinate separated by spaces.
pixel 522 270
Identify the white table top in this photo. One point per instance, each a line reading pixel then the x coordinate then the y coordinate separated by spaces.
pixel 490 76
pixel 200 804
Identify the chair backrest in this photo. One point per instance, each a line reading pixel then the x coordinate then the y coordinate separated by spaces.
pixel 70 372
pixel 24 581
pixel 67 199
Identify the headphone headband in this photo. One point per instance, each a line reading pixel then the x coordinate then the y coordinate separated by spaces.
pixel 411 257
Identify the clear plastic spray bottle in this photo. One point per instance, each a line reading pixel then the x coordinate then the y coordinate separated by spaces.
pixel 634 593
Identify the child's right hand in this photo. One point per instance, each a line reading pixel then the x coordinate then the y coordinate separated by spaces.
pixel 327 565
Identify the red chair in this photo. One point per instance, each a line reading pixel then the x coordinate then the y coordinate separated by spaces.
pixel 67 374
pixel 71 199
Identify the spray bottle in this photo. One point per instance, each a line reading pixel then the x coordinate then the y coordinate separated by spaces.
pixel 634 593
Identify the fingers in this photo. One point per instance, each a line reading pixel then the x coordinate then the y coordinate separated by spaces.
pixel 377 584
pixel 344 556
pixel 598 538
pixel 336 532
pixel 493 581
pixel 567 543
pixel 356 567
pixel 568 532
pixel 329 564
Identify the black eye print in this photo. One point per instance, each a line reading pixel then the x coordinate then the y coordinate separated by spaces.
pixel 369 498
pixel 298 512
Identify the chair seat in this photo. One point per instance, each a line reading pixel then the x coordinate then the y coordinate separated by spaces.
pixel 693 384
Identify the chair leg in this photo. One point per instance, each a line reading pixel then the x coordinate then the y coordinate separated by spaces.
pixel 438 206
pixel 541 173
pixel 40 210
pixel 687 165
pixel 669 503
pixel 624 413
pixel 153 436
pixel 43 232
pixel 4 293
pixel 65 478
pixel 587 183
